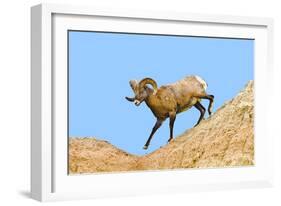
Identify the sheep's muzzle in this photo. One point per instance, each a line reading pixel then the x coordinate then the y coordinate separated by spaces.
pixel 136 102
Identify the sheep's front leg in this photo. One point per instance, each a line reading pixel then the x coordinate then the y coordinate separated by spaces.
pixel 156 126
pixel 202 110
pixel 172 121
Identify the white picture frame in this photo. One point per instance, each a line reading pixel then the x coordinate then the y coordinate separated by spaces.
pixel 49 178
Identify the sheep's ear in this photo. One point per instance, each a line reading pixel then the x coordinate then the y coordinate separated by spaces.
pixel 134 85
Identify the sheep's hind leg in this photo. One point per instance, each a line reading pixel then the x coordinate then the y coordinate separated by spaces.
pixel 172 121
pixel 211 99
pixel 202 110
pixel 156 126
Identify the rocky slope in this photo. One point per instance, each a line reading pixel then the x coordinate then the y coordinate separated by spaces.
pixel 224 139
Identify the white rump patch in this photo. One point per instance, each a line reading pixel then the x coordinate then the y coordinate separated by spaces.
pixel 201 81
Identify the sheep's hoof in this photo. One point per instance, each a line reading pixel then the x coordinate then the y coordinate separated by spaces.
pixel 145 147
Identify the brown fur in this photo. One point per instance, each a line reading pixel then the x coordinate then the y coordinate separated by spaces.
pixel 177 97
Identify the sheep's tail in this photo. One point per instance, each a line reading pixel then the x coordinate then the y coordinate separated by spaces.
pixel 203 82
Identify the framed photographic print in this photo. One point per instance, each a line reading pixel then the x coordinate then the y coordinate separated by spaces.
pixel 137 102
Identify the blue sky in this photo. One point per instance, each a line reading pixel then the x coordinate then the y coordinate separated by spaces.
pixel 101 65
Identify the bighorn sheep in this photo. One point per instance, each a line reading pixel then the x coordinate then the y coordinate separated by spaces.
pixel 169 100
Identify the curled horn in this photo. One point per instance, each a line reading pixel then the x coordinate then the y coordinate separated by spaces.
pixel 148 81
pixel 134 85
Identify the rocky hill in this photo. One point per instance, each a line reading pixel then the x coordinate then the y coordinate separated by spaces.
pixel 224 139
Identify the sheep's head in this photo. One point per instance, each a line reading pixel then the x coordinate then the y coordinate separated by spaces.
pixel 140 90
